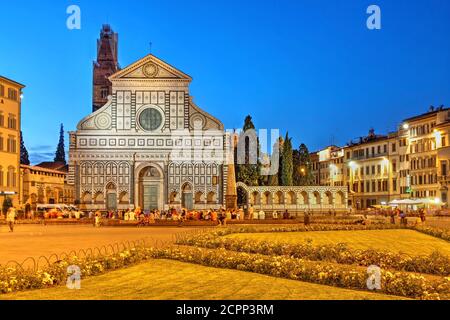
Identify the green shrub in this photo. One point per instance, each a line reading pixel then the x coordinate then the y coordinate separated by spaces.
pixel 7 203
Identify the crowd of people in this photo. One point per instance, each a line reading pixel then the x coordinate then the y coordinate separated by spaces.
pixel 419 215
pixel 220 216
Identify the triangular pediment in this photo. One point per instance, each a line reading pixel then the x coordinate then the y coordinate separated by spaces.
pixel 149 68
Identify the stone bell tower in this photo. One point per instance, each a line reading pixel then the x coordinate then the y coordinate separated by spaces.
pixel 105 65
pixel 231 195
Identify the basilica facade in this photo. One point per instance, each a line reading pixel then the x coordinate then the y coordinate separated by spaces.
pixel 149 145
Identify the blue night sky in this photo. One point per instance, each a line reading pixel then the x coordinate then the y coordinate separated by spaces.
pixel 307 66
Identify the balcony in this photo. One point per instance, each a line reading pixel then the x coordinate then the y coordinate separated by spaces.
pixel 444 180
pixel 370 156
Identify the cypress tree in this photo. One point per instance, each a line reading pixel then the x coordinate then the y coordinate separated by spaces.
pixel 24 158
pixel 60 154
pixel 248 173
pixel 287 167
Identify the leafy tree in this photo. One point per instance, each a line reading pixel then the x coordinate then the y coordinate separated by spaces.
pixel 7 203
pixel 24 158
pixel 286 169
pixel 60 154
pixel 303 175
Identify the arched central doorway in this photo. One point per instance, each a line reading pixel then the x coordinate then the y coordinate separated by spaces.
pixel 187 200
pixel 150 188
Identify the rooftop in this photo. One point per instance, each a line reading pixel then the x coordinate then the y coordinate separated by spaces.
pixel 432 111
pixel 51 165
pixel 12 82
pixel 370 138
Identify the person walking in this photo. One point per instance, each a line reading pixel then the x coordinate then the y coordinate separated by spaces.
pixel 222 218
pixel 403 220
pixel 306 218
pixel 255 215
pixel 182 218
pixel 250 212
pixel 422 215
pixel 229 215
pixel 241 215
pixel 262 215
pixel 393 217
pixel 98 215
pixel 275 214
pixel 11 218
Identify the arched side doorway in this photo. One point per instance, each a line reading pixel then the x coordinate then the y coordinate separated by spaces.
pixel 187 198
pixel 111 197
pixel 150 188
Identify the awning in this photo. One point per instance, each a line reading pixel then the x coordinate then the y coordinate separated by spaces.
pixel 406 202
pixel 411 202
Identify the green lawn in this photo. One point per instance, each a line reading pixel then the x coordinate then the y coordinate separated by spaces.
pixel 165 279
pixel 406 241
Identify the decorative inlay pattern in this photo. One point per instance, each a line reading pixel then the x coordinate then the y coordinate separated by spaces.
pixel 150 70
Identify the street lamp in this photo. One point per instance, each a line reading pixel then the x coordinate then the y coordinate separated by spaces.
pixel 353 166
pixel 333 171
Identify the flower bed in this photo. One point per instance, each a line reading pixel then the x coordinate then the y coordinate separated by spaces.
pixel 435 232
pixel 279 260
pixel 326 273
pixel 348 220
pixel 395 283
pixel 16 279
pixel 434 263
pixel 299 228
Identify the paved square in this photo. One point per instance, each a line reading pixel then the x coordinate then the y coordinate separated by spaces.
pixel 38 240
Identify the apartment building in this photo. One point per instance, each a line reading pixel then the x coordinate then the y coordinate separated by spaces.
pixel 372 170
pixel 412 162
pixel 10 110
pixel 425 141
pixel 328 166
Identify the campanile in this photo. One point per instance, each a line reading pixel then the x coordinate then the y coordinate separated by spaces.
pixel 105 65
